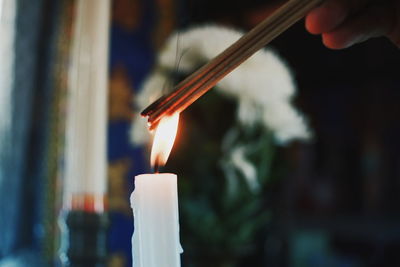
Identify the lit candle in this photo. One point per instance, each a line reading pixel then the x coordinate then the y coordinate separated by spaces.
pixel 155 242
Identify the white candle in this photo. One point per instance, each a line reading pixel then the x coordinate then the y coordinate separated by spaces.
pixel 155 242
pixel 86 126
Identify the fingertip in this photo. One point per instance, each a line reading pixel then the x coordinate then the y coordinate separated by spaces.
pixel 325 17
pixel 336 41
pixel 330 42
pixel 311 23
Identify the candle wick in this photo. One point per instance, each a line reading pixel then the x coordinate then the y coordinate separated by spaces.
pixel 157 165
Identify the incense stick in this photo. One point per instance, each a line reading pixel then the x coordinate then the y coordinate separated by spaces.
pixel 201 81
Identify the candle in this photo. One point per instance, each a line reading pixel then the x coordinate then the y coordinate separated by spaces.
pixel 155 207
pixel 155 241
pixel 83 221
pixel 86 125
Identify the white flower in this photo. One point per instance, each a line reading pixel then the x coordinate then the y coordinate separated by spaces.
pixel 263 85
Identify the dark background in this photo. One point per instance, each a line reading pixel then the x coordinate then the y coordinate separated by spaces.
pixel 340 197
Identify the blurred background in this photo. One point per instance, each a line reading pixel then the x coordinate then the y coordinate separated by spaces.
pixel 333 201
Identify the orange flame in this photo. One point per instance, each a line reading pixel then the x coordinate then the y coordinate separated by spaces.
pixel 164 140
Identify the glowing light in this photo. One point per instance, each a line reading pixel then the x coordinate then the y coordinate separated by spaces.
pixel 164 140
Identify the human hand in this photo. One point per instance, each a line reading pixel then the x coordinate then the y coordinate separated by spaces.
pixel 343 23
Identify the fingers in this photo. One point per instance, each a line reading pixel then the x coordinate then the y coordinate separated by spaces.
pixel 343 23
pixel 331 14
pixel 375 21
pixel 326 17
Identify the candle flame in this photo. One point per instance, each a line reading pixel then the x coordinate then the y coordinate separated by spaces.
pixel 164 140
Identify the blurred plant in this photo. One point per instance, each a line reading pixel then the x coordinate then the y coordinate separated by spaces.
pixel 221 211
pixel 225 145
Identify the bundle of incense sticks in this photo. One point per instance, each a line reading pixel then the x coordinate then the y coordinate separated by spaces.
pixel 198 83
